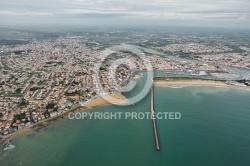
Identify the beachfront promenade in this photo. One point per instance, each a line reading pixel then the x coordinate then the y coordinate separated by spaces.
pixel 157 143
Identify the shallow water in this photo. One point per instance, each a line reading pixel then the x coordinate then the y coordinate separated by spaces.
pixel 213 130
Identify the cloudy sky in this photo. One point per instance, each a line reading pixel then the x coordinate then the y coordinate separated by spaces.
pixel 166 12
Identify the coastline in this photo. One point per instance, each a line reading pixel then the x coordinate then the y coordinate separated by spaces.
pixel 93 103
pixel 196 82
pixel 191 82
pixel 113 98
pixel 119 98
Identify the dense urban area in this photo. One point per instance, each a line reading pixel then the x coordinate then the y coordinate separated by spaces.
pixel 45 75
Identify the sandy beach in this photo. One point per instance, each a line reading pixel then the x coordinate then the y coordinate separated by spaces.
pixel 196 82
pixel 16 134
pixel 108 99
pixel 191 82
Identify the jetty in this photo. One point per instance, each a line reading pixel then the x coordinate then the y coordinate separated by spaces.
pixel 153 117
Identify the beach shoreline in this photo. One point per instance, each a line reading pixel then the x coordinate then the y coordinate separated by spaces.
pixel 118 98
pixel 191 82
pixel 196 82
pixel 98 101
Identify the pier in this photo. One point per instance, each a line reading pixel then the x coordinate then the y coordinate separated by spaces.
pixel 157 143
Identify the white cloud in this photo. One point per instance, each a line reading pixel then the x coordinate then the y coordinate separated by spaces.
pixel 21 13
pixel 136 9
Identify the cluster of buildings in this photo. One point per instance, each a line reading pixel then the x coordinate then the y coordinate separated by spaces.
pixel 194 48
pixel 179 67
pixel 46 78
pixel 117 69
pixel 227 59
pixel 220 54
pixel 43 79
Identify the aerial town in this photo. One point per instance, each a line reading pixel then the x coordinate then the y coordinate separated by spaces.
pixel 42 79
pixel 216 55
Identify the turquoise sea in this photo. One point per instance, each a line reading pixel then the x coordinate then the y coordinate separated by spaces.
pixel 213 131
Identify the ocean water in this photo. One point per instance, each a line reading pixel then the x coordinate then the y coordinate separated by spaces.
pixel 213 130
